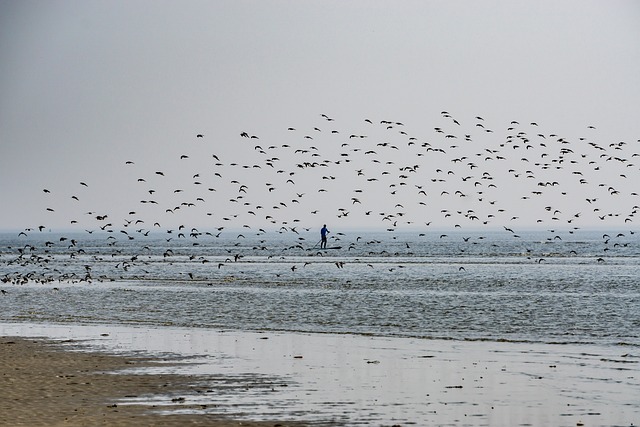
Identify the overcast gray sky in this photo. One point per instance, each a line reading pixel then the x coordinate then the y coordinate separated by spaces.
pixel 87 86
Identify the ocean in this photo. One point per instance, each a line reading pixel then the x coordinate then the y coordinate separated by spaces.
pixel 560 287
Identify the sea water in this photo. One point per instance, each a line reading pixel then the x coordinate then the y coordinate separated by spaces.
pixel 542 287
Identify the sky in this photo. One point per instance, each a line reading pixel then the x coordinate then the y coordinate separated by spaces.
pixel 97 97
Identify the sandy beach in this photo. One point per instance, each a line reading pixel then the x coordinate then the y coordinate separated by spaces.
pixel 117 375
pixel 46 385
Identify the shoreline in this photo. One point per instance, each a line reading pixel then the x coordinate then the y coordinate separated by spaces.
pixel 249 378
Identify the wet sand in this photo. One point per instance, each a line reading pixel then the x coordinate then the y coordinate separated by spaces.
pixel 183 376
pixel 44 384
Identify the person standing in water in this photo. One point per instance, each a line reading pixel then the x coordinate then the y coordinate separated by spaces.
pixel 323 237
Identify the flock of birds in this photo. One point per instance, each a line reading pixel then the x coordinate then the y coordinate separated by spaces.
pixel 380 175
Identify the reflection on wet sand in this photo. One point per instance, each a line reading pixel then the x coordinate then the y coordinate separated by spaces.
pixel 351 380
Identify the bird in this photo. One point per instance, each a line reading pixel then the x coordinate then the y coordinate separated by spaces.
pixel 500 181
